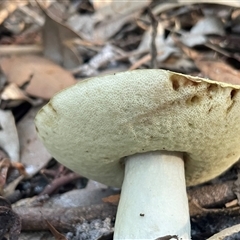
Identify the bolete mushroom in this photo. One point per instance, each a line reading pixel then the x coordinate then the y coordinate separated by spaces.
pixel 141 130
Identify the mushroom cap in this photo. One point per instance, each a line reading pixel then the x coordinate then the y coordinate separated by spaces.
pixel 91 126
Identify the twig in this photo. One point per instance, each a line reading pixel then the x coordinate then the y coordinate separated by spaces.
pixel 215 195
pixel 154 23
pixel 58 182
pixel 63 218
pixel 23 49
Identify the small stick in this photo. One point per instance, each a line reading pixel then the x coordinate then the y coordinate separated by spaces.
pixel 62 218
pixel 154 23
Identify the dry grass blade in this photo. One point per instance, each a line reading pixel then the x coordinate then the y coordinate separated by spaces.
pixel 57 235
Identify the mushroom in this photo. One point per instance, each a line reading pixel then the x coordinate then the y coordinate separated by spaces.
pixel 150 132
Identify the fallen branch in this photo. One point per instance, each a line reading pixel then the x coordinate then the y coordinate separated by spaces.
pixel 63 218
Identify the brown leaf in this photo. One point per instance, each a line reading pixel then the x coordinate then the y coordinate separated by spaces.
pixel 113 199
pixel 14 95
pixel 219 71
pixel 41 77
pixel 5 165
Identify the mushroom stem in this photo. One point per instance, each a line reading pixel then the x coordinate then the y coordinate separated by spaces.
pixel 153 200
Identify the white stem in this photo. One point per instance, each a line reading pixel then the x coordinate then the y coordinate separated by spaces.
pixel 153 200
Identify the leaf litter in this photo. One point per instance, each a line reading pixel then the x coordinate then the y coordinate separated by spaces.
pixel 48 46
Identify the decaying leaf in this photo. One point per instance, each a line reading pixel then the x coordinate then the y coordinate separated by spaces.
pixel 105 56
pixel 197 35
pixel 91 194
pixel 232 3
pixel 58 42
pixel 113 9
pixel 14 95
pixel 218 71
pixel 8 135
pixel 113 16
pixel 8 8
pixel 97 4
pixel 113 199
pixel 34 155
pixel 5 165
pixel 10 188
pixel 40 77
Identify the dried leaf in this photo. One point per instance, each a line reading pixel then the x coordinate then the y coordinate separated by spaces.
pixel 34 155
pixel 9 189
pixel 232 3
pixel 160 8
pixel 8 8
pixel 113 199
pixel 92 194
pixel 98 4
pixel 112 17
pixel 41 77
pixel 14 95
pixel 106 55
pixel 207 25
pixel 8 135
pixel 219 71
pixel 83 24
pixel 56 38
pixel 106 29
pixel 4 167
pixel 114 9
